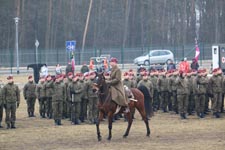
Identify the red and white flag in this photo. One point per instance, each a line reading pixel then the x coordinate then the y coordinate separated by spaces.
pixel 197 50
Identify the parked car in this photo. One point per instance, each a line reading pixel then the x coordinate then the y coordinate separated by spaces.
pixel 155 57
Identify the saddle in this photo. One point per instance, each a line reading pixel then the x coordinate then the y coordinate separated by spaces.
pixel 129 94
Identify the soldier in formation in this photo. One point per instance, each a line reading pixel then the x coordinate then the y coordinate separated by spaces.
pixel 30 96
pixel 11 101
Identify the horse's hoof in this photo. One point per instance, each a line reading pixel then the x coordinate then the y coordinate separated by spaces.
pixel 109 138
pixel 124 136
pixel 148 134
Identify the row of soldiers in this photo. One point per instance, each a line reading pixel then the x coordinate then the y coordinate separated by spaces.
pixel 183 93
pixel 63 97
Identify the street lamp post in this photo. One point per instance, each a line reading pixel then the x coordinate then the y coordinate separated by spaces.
pixel 16 44
pixel 36 45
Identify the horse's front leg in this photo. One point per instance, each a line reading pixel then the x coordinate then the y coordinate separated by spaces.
pixel 97 125
pixel 110 118
pixel 130 120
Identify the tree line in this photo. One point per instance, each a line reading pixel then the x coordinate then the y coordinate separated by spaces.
pixel 112 23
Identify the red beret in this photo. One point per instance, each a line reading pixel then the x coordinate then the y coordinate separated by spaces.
pixel 92 73
pixel 130 70
pixel 145 74
pixel 70 73
pixel 106 74
pixel 58 76
pixel 200 71
pixel 215 70
pixel 9 77
pixel 29 77
pixel 113 60
pixel 48 76
pixel 125 74
pixel 81 74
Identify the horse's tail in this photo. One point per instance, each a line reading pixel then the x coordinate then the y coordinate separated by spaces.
pixel 147 100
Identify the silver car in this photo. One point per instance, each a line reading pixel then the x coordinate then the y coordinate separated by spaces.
pixel 154 57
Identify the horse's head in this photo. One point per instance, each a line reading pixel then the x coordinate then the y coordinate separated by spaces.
pixel 99 81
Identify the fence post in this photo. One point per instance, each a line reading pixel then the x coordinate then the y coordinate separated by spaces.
pixel 11 60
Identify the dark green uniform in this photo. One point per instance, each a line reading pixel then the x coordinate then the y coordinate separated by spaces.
pixel 164 94
pixel 57 101
pixel 74 96
pixel 11 98
pixel 92 102
pixel 1 106
pixel 128 83
pixel 215 83
pixel 30 97
pixel 199 86
pixel 182 96
pixel 40 93
pixel 49 92
pixel 191 95
pixel 84 101
pixel 153 79
pixel 174 93
pixel 67 104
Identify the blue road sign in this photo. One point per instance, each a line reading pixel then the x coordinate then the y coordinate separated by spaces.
pixel 70 45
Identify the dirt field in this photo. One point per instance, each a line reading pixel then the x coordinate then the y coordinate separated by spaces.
pixel 167 132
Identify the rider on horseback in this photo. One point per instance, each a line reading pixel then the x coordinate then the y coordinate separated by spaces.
pixel 116 85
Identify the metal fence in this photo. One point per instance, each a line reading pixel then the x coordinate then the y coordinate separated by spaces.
pixel 124 55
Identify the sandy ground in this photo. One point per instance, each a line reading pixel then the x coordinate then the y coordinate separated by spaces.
pixel 167 132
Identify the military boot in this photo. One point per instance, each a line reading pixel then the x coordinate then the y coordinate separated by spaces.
pixel 13 125
pixel 77 121
pixel 56 122
pixel 217 115
pixel 8 126
pixel 181 116
pixel 184 116
pixel 59 122
pixel 32 114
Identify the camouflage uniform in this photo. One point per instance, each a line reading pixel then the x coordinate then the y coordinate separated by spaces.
pixel 153 79
pixel 49 91
pixel 199 86
pixel 40 93
pixel 30 97
pixel 74 95
pixel 182 96
pixel 174 93
pixel 11 98
pixel 92 102
pixel 1 106
pixel 67 104
pixel 162 84
pixel 215 83
pixel 191 95
pixel 84 101
pixel 57 101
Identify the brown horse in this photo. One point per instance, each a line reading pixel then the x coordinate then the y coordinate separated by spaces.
pixel 109 107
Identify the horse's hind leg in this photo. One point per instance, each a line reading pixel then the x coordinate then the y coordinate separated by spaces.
pixel 145 119
pixel 97 125
pixel 110 118
pixel 130 120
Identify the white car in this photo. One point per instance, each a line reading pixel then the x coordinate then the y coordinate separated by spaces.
pixel 155 57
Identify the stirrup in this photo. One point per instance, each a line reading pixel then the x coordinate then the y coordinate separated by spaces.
pixel 127 110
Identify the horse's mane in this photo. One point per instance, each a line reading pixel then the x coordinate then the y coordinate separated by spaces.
pixel 104 91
